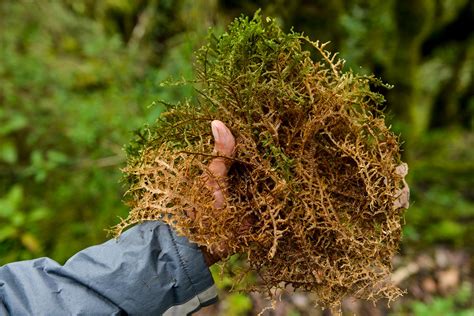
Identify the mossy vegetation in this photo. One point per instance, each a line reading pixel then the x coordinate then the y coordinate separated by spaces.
pixel 315 168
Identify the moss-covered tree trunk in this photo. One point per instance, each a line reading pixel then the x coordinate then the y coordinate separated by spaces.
pixel 413 22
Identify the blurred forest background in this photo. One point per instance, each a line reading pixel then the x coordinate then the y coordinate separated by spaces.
pixel 78 76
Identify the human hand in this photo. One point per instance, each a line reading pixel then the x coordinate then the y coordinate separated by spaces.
pixel 216 181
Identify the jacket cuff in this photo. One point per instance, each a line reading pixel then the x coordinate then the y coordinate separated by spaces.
pixel 198 277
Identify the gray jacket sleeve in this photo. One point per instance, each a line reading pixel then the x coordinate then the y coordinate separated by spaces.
pixel 149 270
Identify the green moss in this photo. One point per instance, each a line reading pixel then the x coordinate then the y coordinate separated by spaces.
pixel 314 171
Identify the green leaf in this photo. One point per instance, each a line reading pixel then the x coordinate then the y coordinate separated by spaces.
pixel 56 157
pixel 38 214
pixel 14 123
pixel 8 152
pixel 18 219
pixel 446 230
pixel 11 202
pixel 30 242
pixel 238 304
pixel 7 232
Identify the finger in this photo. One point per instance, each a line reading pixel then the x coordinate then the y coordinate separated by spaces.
pixel 223 138
pixel 402 169
pixel 224 145
pixel 403 194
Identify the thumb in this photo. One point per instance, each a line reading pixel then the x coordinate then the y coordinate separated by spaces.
pixel 219 167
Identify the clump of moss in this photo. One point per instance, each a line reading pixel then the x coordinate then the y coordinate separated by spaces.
pixel 314 170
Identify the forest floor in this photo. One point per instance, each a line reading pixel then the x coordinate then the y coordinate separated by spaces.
pixel 436 280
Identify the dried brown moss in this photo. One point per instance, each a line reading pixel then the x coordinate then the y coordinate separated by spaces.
pixel 315 166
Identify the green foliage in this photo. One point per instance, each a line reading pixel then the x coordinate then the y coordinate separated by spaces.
pixel 19 236
pixel 70 94
pixel 366 26
pixel 230 286
pixel 442 179
pixel 453 305
pixel 237 305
